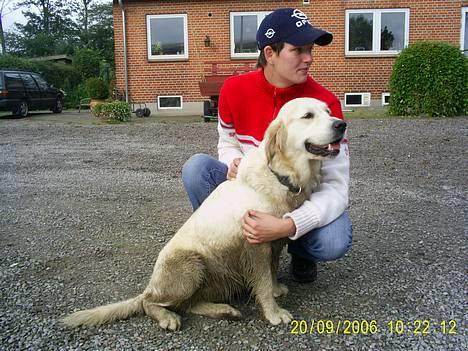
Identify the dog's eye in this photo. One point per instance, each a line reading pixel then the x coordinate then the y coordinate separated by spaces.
pixel 328 111
pixel 308 115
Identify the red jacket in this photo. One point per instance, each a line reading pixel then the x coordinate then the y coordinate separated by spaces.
pixel 249 103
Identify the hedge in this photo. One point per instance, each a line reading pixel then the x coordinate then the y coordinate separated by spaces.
pixel 429 78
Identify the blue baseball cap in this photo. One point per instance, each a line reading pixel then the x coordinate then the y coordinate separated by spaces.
pixel 291 26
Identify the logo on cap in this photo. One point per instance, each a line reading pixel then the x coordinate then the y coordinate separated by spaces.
pixel 270 33
pixel 301 16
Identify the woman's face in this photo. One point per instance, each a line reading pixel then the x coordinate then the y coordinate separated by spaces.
pixel 291 65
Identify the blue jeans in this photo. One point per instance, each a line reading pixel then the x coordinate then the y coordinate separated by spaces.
pixel 202 173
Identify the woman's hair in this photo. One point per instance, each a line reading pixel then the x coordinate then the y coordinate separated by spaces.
pixel 276 47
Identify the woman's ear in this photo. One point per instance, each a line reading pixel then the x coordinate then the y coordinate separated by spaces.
pixel 268 53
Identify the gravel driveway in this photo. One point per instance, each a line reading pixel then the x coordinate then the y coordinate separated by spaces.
pixel 86 207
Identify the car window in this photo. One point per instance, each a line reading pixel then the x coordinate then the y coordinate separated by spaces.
pixel 13 81
pixel 41 82
pixel 29 82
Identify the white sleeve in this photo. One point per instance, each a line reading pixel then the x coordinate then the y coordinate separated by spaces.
pixel 330 199
pixel 228 145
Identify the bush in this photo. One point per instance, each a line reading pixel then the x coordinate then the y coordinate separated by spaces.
pixel 113 111
pixel 97 88
pixel 74 95
pixel 86 62
pixel 429 78
pixel 17 63
pixel 59 75
pixel 56 74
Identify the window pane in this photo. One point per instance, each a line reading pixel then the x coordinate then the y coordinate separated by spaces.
pixel 29 82
pixel 245 30
pixel 353 99
pixel 465 44
pixel 392 33
pixel 360 31
pixel 41 82
pixel 13 81
pixel 170 101
pixel 167 36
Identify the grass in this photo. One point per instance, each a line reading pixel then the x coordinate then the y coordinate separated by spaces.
pixel 368 113
pixel 382 113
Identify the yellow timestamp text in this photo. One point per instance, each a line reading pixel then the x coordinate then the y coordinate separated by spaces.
pixel 370 327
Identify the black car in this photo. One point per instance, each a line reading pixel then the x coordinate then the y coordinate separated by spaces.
pixel 22 91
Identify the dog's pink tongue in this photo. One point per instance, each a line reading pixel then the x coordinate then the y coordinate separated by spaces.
pixel 335 146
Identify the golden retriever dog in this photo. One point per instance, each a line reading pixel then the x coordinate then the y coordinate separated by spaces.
pixel 208 261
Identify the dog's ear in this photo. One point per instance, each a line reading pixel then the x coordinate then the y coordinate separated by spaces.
pixel 276 138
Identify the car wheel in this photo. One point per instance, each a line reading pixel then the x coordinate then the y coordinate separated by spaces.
pixel 58 107
pixel 22 109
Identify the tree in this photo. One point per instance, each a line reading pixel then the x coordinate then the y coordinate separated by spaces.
pixel 83 19
pixel 4 10
pixel 101 30
pixel 86 62
pixel 61 27
pixel 50 28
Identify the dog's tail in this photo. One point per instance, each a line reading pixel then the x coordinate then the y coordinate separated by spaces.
pixel 105 314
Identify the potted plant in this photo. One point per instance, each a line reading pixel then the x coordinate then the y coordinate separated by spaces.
pixel 98 91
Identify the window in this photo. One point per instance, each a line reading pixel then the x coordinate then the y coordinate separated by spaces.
pixel 41 82
pixel 464 31
pixel 13 81
pixel 244 27
pixel 167 37
pixel 170 102
pixel 376 32
pixel 29 82
pixel 357 99
pixel 385 99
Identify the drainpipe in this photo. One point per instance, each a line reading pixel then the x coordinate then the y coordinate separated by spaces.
pixel 124 49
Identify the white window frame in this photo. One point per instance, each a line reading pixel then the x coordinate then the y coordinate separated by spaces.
pixel 163 57
pixel 464 11
pixel 260 16
pixel 377 23
pixel 170 108
pixel 384 95
pixel 362 104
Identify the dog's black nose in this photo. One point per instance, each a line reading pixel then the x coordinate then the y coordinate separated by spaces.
pixel 339 126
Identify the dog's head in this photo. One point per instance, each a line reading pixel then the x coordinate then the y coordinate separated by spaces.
pixel 304 126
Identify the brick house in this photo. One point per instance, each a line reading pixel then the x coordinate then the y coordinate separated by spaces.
pixel 175 54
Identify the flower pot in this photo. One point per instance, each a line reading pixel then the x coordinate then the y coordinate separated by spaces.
pixel 94 102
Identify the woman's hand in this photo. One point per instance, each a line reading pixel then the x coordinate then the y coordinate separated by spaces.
pixel 233 168
pixel 259 227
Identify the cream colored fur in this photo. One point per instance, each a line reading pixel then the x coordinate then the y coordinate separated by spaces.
pixel 208 261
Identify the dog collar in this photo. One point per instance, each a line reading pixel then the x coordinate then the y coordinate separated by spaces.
pixel 296 190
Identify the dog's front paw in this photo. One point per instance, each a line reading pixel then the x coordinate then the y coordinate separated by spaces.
pixel 280 290
pixel 170 321
pixel 280 315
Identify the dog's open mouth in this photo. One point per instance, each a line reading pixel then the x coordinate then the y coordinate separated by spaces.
pixel 331 149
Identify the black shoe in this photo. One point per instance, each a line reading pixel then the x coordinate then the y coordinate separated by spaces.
pixel 302 270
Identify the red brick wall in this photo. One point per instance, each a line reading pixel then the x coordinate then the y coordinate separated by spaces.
pixel 429 20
